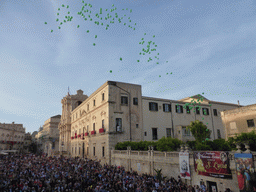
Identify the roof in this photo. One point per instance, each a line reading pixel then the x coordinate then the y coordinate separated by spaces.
pixel 56 116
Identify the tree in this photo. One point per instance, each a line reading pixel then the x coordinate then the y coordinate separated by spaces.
pixel 159 175
pixel 199 131
pixel 168 144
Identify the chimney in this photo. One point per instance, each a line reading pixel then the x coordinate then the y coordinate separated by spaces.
pixel 238 103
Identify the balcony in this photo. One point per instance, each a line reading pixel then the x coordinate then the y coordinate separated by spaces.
pixel 86 134
pixel 101 130
pixel 93 132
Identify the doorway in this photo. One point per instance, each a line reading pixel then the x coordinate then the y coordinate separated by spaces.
pixel 212 186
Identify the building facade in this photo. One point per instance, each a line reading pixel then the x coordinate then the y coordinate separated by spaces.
pixel 11 136
pixel 112 114
pixel 48 136
pixel 240 120
pixel 164 118
pixel 116 112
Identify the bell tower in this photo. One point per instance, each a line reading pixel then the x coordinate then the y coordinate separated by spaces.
pixel 69 103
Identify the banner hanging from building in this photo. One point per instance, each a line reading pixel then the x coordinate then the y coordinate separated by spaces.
pixel 212 164
pixel 246 175
pixel 184 165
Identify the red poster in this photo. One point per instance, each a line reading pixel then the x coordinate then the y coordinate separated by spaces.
pixel 212 163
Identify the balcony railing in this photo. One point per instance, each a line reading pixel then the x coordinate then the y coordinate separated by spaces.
pixel 93 132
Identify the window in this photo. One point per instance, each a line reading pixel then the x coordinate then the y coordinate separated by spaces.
pixel 87 150
pixel 185 131
pixel 215 112
pixel 87 107
pixel 168 132
pixel 167 108
pixel 87 128
pixel 250 123
pixel 218 134
pixel 187 109
pixel 102 96
pixel 79 150
pixel 179 109
pixel 135 101
pixel 232 125
pixel 205 111
pixel 78 103
pixel 94 102
pixel 137 125
pixel 102 123
pixel 76 115
pixel 103 151
pixel 153 106
pixel 72 150
pixel 154 133
pixel 145 133
pixel 124 100
pixel 118 124
pixel 75 150
pixel 93 151
pixel 197 110
pixel 93 126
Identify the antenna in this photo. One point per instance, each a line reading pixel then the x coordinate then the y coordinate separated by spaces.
pixel 68 92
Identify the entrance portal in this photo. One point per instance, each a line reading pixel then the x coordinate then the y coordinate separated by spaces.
pixel 212 186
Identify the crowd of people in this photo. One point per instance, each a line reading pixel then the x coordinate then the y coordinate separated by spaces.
pixel 33 173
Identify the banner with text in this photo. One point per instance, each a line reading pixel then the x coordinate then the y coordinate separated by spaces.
pixel 212 164
pixel 184 165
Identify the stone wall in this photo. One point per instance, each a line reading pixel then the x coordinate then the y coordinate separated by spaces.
pixel 147 161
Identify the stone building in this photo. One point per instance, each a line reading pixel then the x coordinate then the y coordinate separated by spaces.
pixel 69 103
pixel 116 112
pixel 11 136
pixel 34 134
pixel 240 120
pixel 48 136
pixel 113 113
pixel 163 117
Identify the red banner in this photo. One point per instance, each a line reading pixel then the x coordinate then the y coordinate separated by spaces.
pixel 212 164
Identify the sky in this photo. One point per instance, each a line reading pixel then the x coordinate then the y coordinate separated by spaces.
pixel 204 46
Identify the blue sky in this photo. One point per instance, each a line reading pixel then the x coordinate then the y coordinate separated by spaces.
pixel 209 46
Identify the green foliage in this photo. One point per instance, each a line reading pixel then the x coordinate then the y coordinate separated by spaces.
pixel 191 145
pixel 168 144
pixel 171 144
pixel 199 130
pixel 242 138
pixel 215 145
pixel 159 176
pixel 220 145
pixel 139 146
pixel 203 147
